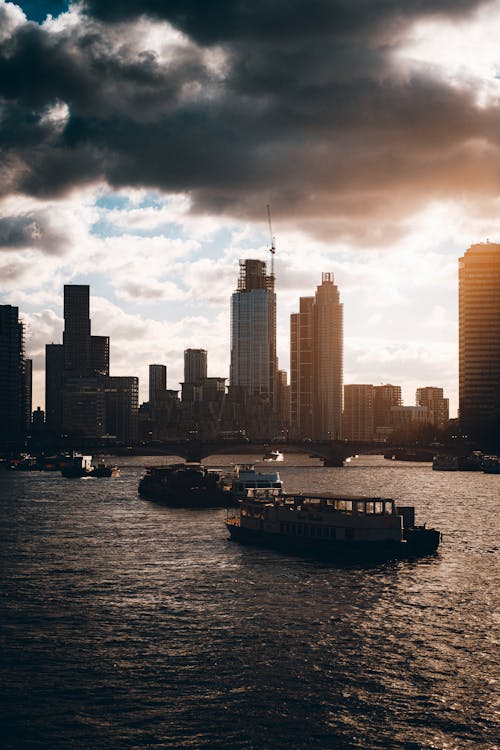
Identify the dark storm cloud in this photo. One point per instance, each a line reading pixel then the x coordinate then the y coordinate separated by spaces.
pixel 275 20
pixel 307 110
pixel 30 230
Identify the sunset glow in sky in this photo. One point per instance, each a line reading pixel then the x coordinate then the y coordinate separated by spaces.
pixel 141 142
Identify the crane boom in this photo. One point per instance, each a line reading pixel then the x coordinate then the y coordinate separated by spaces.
pixel 272 249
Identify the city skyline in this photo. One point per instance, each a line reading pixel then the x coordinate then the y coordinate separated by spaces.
pixel 150 182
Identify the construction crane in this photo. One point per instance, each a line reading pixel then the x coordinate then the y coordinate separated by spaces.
pixel 272 249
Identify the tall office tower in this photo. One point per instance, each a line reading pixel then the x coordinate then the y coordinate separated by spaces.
pixel 76 336
pixel 54 380
pixel 195 365
pixel 328 337
pixel 99 355
pixel 253 331
pixel 437 405
pixel 479 342
pixel 316 363
pixel 358 412
pixel 301 368
pixel 157 382
pixel 13 390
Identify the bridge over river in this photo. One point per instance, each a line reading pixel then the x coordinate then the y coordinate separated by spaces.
pixel 331 452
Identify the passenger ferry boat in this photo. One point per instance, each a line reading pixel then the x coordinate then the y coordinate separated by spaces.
pixel 188 485
pixel 246 478
pixel 331 527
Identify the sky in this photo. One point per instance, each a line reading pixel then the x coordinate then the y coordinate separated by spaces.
pixel 141 141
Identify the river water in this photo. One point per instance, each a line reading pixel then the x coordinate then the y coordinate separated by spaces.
pixel 129 625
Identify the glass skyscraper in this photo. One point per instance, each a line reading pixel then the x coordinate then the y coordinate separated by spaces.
pixel 479 342
pixel 253 331
pixel 316 363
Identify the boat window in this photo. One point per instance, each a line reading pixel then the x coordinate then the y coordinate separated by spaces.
pixel 349 533
pixel 345 505
pixel 299 528
pixel 332 532
pixel 360 506
pixel 369 506
pixel 313 531
pixel 306 530
pixel 379 506
pixel 293 528
pixel 388 508
pixel 281 527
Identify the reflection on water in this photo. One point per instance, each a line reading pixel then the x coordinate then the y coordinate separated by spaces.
pixel 130 625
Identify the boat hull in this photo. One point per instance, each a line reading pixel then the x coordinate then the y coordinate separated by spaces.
pixel 190 498
pixel 419 542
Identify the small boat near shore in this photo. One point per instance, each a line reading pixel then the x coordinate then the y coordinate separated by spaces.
pixel 273 455
pixel 188 485
pixel 79 466
pixel 331 527
pixel 104 470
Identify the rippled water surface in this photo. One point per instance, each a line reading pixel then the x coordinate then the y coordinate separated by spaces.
pixel 129 625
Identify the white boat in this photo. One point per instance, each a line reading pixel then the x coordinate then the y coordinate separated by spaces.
pixel 272 455
pixel 246 478
pixel 331 526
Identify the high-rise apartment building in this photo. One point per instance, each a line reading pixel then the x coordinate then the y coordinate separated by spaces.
pixel 157 382
pixel 253 331
pixel 301 367
pixel 195 365
pixel 384 398
pixel 358 412
pixel 13 385
pixel 437 405
pixel 328 332
pixel 316 363
pixel 479 342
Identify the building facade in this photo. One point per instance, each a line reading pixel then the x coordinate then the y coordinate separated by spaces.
pixel 14 388
pixel 384 398
pixel 195 365
pixel 157 382
pixel 479 342
pixel 301 368
pixel 76 335
pixel 358 412
pixel 82 399
pixel 316 364
pixel 54 383
pixel 437 406
pixel 253 332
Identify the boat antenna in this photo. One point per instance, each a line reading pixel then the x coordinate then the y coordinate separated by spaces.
pixel 272 249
